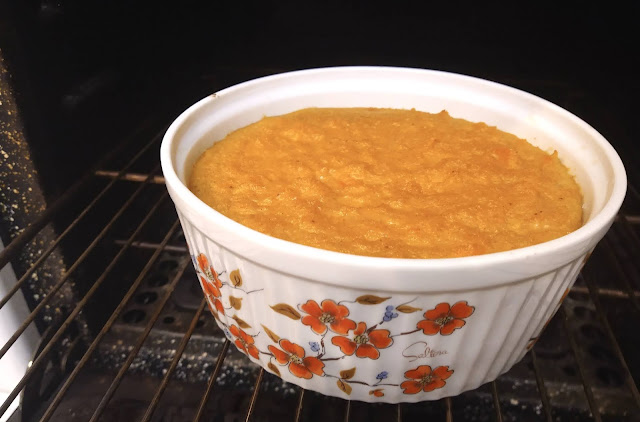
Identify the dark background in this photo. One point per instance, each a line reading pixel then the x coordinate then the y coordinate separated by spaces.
pixel 85 72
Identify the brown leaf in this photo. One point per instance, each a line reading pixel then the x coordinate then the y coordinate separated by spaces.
pixel 235 302
pixel 406 309
pixel 241 322
pixel 273 336
pixel 347 373
pixel 345 387
pixel 273 368
pixel 286 310
pixel 235 278
pixel 371 299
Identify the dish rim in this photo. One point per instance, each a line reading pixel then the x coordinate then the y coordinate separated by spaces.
pixel 294 250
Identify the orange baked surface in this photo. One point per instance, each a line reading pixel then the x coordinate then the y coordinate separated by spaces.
pixel 389 183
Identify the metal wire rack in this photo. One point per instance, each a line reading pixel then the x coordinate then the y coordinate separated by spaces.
pixel 137 343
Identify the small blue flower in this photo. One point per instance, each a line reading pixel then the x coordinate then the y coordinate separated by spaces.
pixel 382 375
pixel 193 259
pixel 389 314
pixel 227 333
pixel 315 347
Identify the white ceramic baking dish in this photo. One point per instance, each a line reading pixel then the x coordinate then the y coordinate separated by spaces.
pixel 381 329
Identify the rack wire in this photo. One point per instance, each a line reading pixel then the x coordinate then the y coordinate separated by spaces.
pixel 623 286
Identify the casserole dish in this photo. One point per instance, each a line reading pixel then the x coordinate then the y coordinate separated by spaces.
pixel 382 329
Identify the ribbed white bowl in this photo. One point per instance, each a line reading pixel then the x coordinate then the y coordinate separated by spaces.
pixel 380 329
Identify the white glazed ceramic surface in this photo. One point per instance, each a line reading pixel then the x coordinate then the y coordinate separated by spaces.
pixel 380 329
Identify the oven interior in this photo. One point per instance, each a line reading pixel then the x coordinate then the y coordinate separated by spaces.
pixel 107 318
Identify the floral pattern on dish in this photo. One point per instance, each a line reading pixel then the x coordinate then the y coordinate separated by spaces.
pixel 244 342
pixel 294 357
pixel 365 343
pixel 339 341
pixel 327 314
pixel 424 379
pixel 445 319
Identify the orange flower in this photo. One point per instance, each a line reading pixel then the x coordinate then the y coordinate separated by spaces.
pixel 364 344
pixel 244 342
pixel 216 307
pixel 203 262
pixel 330 313
pixel 444 319
pixel 208 270
pixel 424 379
pixel 210 289
pixel 294 356
pixel 377 392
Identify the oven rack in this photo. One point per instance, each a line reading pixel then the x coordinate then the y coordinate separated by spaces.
pixel 139 240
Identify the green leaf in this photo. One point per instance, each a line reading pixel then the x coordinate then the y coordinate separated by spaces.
pixel 235 302
pixel 406 309
pixel 345 387
pixel 286 310
pixel 241 322
pixel 371 299
pixel 273 368
pixel 271 334
pixel 235 278
pixel 347 373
